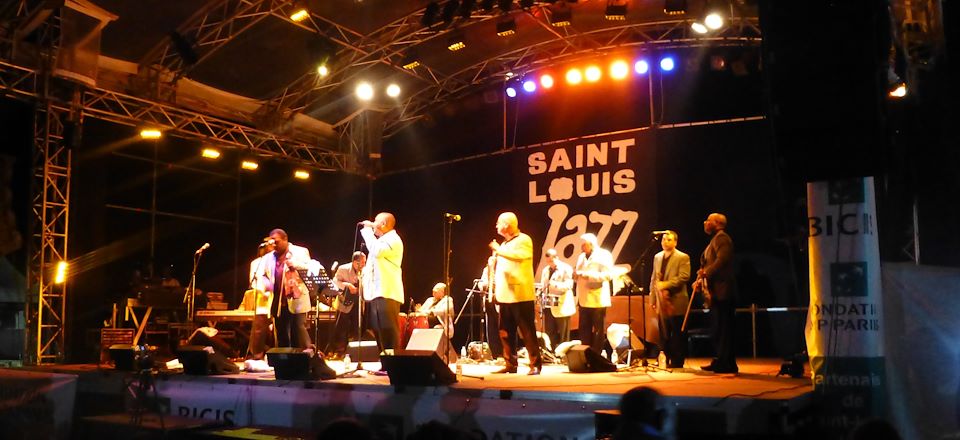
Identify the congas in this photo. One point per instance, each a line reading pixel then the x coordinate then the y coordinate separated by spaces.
pixel 411 321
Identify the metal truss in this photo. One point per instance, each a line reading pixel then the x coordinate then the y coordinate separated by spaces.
pixel 116 107
pixel 568 48
pixel 50 225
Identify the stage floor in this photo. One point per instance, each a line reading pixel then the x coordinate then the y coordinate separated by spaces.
pixel 755 401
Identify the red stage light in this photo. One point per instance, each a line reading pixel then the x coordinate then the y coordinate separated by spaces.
pixel 593 74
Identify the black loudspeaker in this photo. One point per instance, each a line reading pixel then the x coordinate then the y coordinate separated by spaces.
pixel 583 359
pixel 199 362
pixel 123 356
pixel 417 367
pixel 290 363
pixel 426 339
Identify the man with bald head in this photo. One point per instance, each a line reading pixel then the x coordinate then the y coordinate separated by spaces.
pixel 382 279
pixel 716 268
pixel 513 291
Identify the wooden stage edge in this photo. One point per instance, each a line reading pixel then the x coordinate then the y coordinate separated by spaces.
pixel 749 402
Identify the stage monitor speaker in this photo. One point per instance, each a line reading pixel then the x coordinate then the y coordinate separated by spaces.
pixel 199 362
pixel 291 363
pixel 123 356
pixel 583 359
pixel 417 367
pixel 432 339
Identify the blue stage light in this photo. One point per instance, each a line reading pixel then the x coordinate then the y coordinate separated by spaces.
pixel 511 92
pixel 641 67
pixel 529 86
pixel 667 64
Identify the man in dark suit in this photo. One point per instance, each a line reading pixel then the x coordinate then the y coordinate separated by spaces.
pixel 668 282
pixel 716 268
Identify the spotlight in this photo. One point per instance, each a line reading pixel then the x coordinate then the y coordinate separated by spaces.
pixel 61 274
pixel 675 7
pixel 300 15
pixel 899 90
pixel 546 81
pixel 151 133
pixel 323 70
pixel 619 69
pixel 301 174
pixel 393 90
pixel 574 76
pixel 456 42
pixel 593 74
pixel 410 61
pixel 529 86
pixel 667 64
pixel 616 12
pixel 561 14
pixel 249 164
pixel 211 153
pixel 506 27
pixel 713 21
pixel 364 91
pixel 511 92
pixel 641 67
pixel 698 27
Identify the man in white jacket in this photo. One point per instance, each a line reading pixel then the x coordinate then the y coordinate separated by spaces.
pixel 381 283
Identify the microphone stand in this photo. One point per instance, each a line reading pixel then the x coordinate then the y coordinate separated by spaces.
pixel 447 252
pixel 642 263
pixel 192 287
pixel 360 303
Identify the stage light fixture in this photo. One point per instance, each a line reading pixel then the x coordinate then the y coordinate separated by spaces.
pixel 364 91
pixel 616 12
pixel 393 90
pixel 410 61
pixel 713 21
pixel 323 70
pixel 300 14
pixel 561 14
pixel 574 76
pixel 546 81
pixel 667 64
pixel 698 27
pixel 675 7
pixel 210 153
pixel 61 273
pixel 529 86
pixel 619 69
pixel 456 41
pixel 641 67
pixel 430 14
pixel 511 92
pixel 301 174
pixel 151 133
pixel 506 27
pixel 899 90
pixel 592 74
pixel 249 164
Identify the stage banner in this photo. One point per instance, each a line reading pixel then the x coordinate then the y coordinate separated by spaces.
pixel 602 184
pixel 36 405
pixel 845 319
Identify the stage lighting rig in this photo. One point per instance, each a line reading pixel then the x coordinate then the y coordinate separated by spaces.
pixel 506 27
pixel 616 10
pixel 561 14
pixel 675 7
pixel 456 41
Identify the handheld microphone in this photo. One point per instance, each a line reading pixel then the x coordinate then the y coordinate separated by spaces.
pixel 266 243
pixel 203 248
pixel 455 217
pixel 333 268
pixel 661 232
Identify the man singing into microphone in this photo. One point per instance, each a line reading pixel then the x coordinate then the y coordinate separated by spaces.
pixel 280 277
pixel 382 278
pixel 513 290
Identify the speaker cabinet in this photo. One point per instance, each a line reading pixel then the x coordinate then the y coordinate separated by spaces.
pixel 123 356
pixel 583 359
pixel 418 368
pixel 291 363
pixel 432 339
pixel 198 362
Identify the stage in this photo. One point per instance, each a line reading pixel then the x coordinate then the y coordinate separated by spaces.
pixel 557 404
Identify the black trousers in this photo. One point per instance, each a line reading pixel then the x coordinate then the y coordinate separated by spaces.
pixel 291 329
pixel 675 341
pixel 382 315
pixel 492 329
pixel 723 333
pixel 344 329
pixel 557 328
pixel 514 316
pixel 591 330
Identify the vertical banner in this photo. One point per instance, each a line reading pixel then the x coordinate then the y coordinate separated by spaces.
pixel 845 318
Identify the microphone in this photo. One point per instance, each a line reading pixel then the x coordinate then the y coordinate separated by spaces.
pixel 266 243
pixel 333 268
pixel 661 232
pixel 455 217
pixel 203 248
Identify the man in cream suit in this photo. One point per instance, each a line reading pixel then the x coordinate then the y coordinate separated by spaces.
pixel 291 299
pixel 593 274
pixel 382 278
pixel 557 281
pixel 668 287
pixel 513 290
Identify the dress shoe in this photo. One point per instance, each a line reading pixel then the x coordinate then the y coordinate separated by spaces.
pixel 506 370
pixel 709 367
pixel 534 371
pixel 726 370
